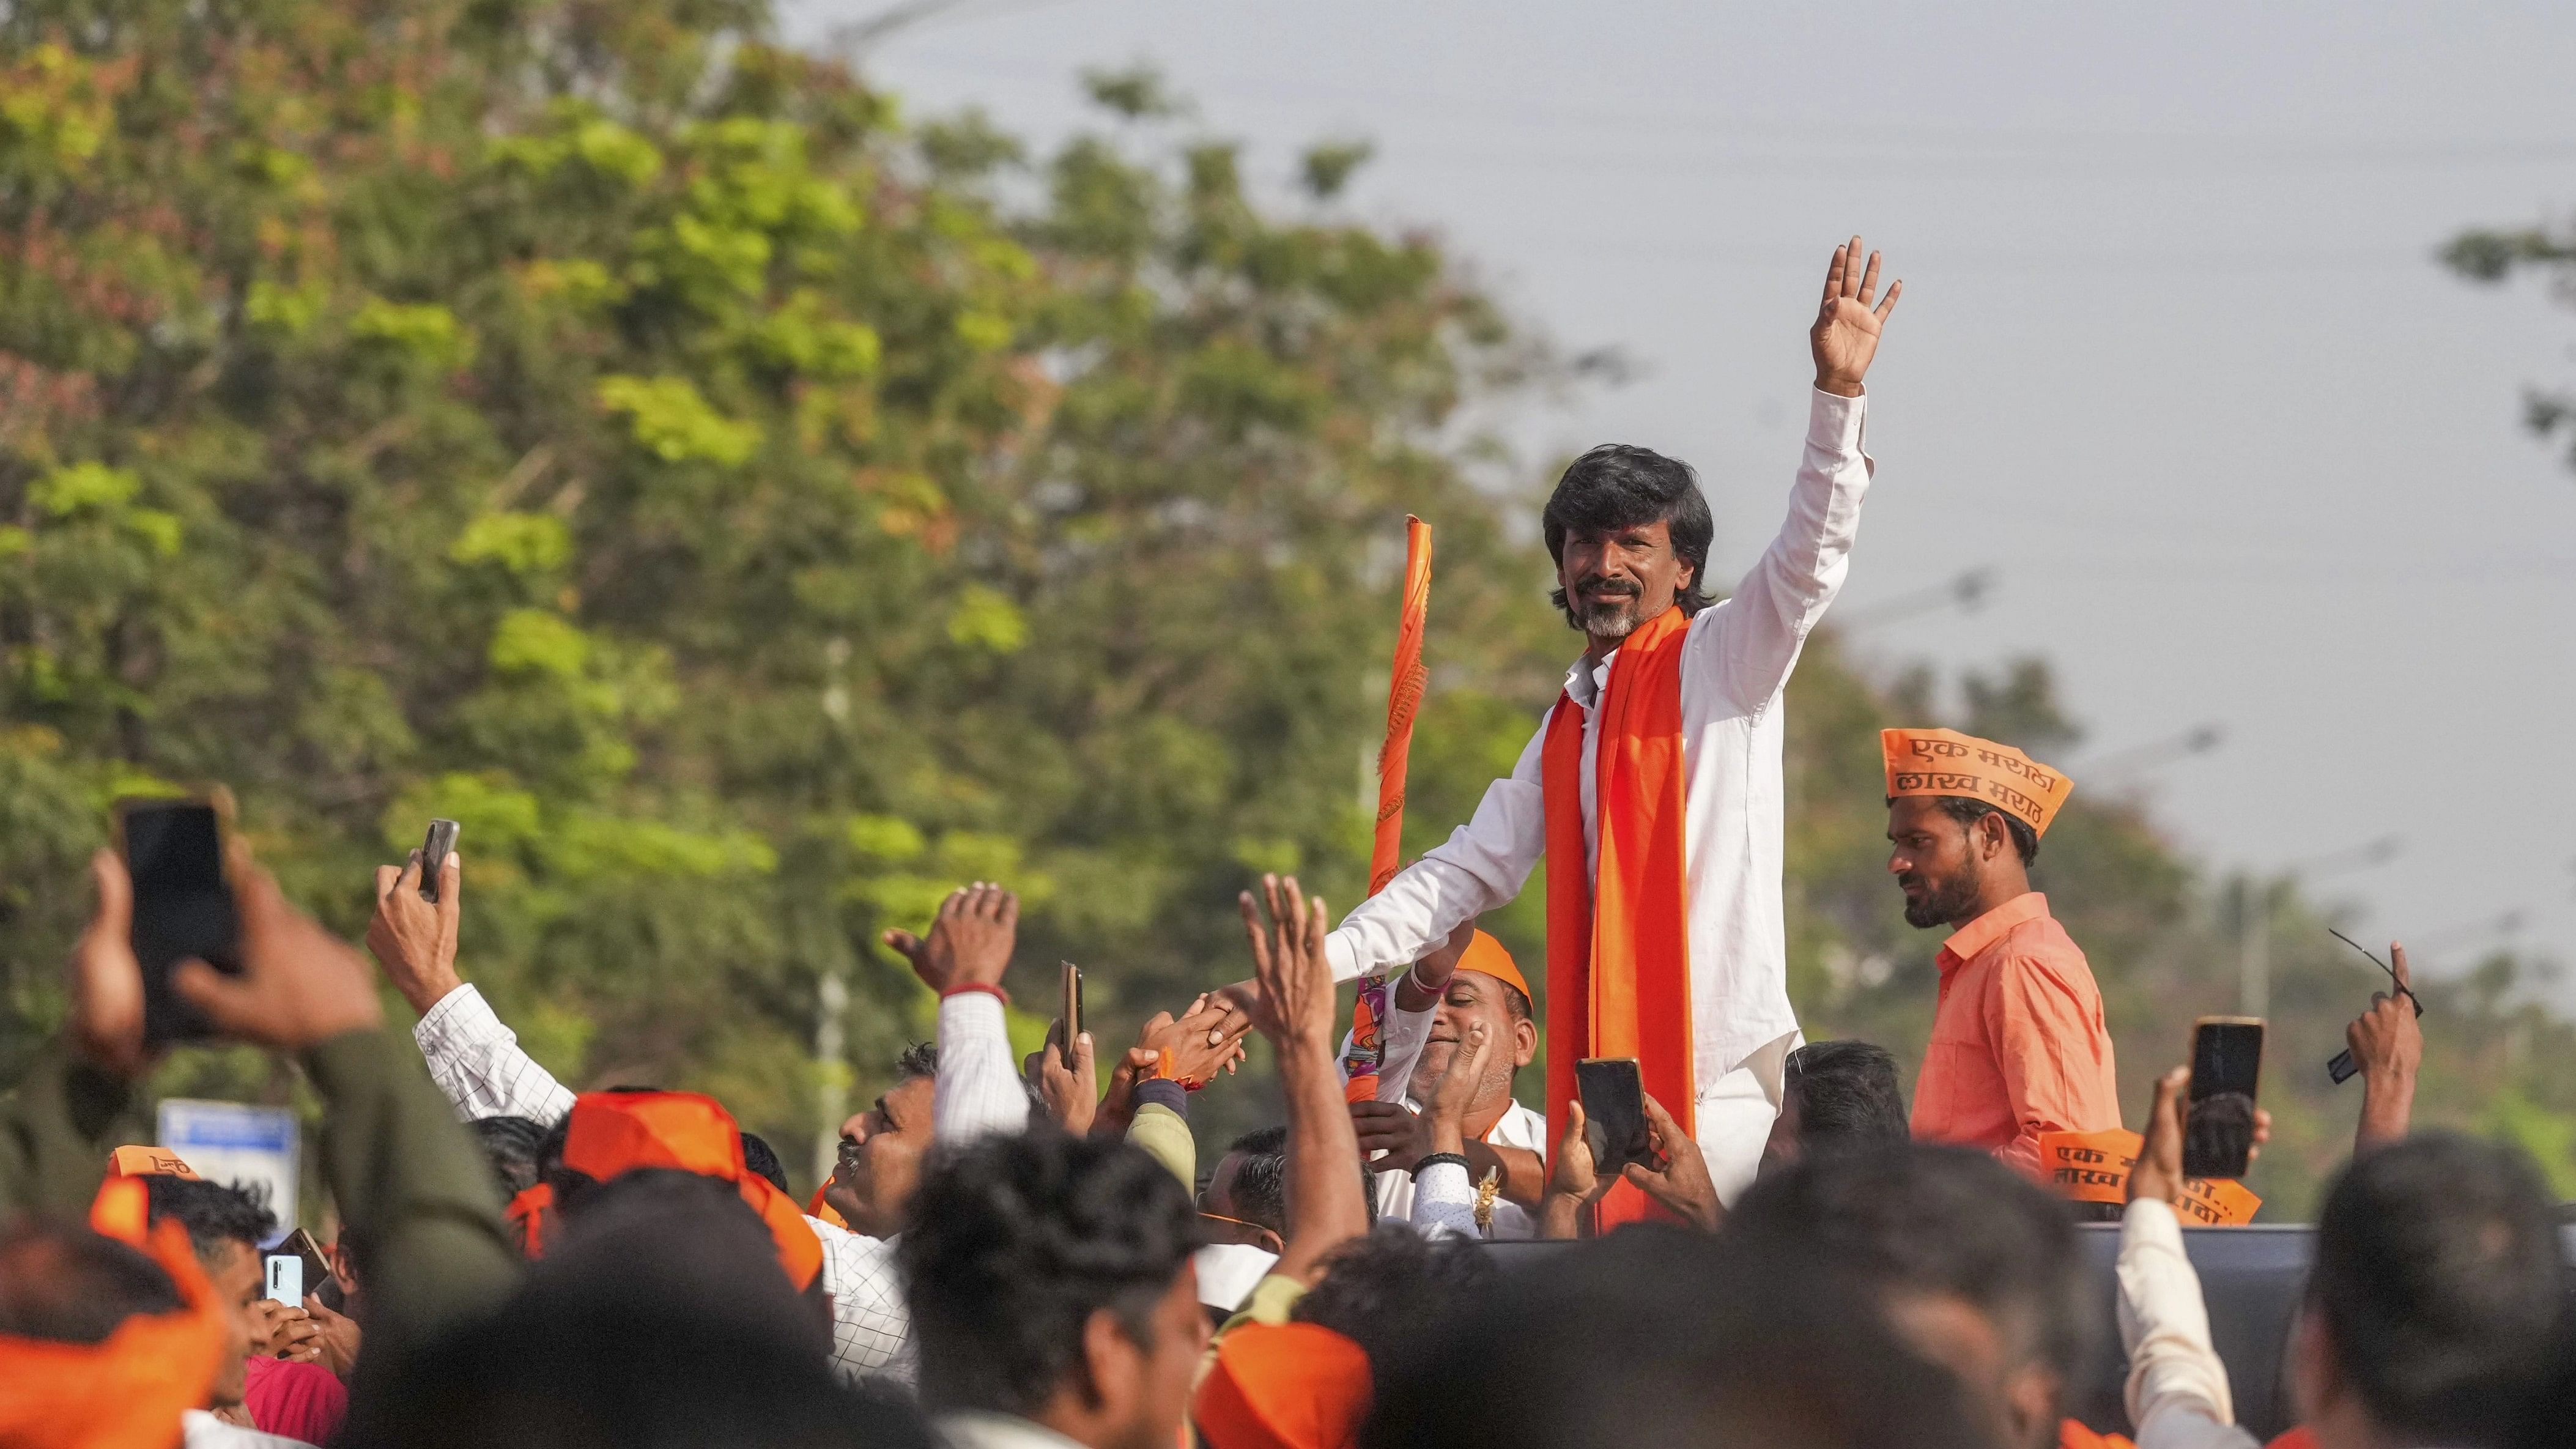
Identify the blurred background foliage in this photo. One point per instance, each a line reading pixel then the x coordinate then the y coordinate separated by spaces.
pixel 752 513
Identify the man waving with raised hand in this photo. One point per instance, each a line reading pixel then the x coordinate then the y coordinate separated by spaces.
pixel 1658 770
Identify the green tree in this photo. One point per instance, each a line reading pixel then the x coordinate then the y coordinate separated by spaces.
pixel 2492 256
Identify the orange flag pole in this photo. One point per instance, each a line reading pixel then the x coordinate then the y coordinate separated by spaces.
pixel 1403 701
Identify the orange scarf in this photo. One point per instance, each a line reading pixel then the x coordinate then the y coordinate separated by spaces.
pixel 1618 952
pixel 128 1391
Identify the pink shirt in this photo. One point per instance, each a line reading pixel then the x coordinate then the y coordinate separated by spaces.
pixel 298 1400
pixel 2019 1046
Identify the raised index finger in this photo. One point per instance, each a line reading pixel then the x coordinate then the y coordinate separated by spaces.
pixel 2397 967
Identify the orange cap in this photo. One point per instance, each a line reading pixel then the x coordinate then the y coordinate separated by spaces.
pixel 619 1132
pixel 1946 762
pixel 147 1162
pixel 127 1391
pixel 1284 1386
pixel 1486 955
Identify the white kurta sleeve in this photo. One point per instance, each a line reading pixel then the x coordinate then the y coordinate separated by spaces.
pixel 978 1089
pixel 2177 1392
pixel 1751 642
pixel 477 1063
pixel 1482 864
pixel 1444 1201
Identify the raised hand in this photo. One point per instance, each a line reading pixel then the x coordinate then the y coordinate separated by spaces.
pixel 300 985
pixel 1069 1093
pixel 341 1337
pixel 1206 1039
pixel 413 939
pixel 1845 336
pixel 970 943
pixel 1295 1009
pixel 1446 1106
pixel 106 980
pixel 1419 989
pixel 1682 1184
pixel 2158 1172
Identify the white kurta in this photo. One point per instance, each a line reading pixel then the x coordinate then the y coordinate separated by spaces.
pixel 1736 662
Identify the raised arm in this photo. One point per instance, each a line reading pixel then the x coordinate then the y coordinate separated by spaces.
pixel 1326 1207
pixel 2388 1045
pixel 474 1059
pixel 2177 1390
pixel 963 959
pixel 1482 865
pixel 1755 637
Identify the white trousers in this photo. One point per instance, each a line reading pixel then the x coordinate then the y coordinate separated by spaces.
pixel 1734 1114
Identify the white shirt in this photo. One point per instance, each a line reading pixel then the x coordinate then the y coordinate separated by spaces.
pixel 1736 661
pixel 975 1429
pixel 201 1430
pixel 2177 1393
pixel 477 1062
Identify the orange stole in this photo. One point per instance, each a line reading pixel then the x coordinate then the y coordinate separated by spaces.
pixel 1618 951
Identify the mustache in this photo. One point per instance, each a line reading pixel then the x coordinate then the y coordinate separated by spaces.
pixel 1596 584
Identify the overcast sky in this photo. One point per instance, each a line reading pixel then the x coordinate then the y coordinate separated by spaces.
pixel 2174 358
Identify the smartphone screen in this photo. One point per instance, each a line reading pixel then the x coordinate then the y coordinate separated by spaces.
pixel 2226 1068
pixel 286 1278
pixel 1614 1111
pixel 183 907
pixel 433 855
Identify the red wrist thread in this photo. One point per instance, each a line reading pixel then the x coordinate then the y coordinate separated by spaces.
pixel 982 987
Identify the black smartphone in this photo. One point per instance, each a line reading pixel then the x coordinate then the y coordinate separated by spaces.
pixel 300 1244
pixel 2226 1068
pixel 1614 1113
pixel 1072 980
pixel 433 854
pixel 183 906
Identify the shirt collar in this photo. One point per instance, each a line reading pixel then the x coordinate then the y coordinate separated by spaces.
pixel 1969 940
pixel 1585 679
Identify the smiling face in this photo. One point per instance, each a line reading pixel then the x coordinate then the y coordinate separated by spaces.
pixel 1617 578
pixel 238 1278
pixel 880 1162
pixel 1475 997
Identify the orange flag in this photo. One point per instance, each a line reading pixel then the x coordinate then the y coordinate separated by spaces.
pixel 1403 702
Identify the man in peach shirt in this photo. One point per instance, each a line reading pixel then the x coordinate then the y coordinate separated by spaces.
pixel 2019 1046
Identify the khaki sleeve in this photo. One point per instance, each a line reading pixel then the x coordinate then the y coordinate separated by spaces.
pixel 56 1130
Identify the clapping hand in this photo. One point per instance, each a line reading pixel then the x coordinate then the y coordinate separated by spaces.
pixel 1446 1107
pixel 1845 336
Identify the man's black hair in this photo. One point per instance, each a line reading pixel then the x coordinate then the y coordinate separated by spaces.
pixel 512 1145
pixel 1619 486
pixel 658 1320
pixel 1387 1291
pixel 1848 1097
pixel 2439 1281
pixel 213 1213
pixel 62 1283
pixel 1934 1220
pixel 1260 1187
pixel 1013 1243
pixel 921 1059
pixel 761 1160
pixel 1659 1336
pixel 1968 812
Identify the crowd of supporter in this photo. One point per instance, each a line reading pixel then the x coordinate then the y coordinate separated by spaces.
pixel 1007 1255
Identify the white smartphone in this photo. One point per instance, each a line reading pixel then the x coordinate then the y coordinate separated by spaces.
pixel 286 1279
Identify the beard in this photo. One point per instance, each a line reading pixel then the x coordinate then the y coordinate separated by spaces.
pixel 1945 901
pixel 1614 616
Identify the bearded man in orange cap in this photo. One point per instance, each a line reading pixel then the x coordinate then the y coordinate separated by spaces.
pixel 2019 1046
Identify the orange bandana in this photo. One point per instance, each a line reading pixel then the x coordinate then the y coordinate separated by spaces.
pixel 2094 1167
pixel 618 1132
pixel 1618 952
pixel 1946 762
pixel 128 1391
pixel 823 1212
pixel 1283 1386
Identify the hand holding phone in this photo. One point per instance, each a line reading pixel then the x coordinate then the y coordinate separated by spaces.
pixel 2226 1070
pixel 1070 982
pixel 286 1279
pixel 1614 1109
pixel 434 850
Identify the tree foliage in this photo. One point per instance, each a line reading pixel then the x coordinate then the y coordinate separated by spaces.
pixel 2492 257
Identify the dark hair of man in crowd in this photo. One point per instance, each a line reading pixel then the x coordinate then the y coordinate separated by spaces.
pixel 1656 1336
pixel 1620 486
pixel 512 1145
pixel 1968 812
pixel 1848 1096
pixel 2441 1289
pixel 1261 1179
pixel 921 1059
pixel 1921 1223
pixel 1387 1291
pixel 62 1283
pixel 213 1213
pixel 658 1320
pixel 1015 1242
pixel 761 1160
